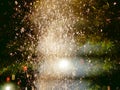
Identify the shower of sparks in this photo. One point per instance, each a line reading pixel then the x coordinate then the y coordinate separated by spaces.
pixel 54 27
pixel 62 44
pixel 54 21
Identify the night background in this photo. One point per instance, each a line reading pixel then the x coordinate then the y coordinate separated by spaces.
pixel 90 32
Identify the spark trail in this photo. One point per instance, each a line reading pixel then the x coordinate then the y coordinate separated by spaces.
pixel 54 21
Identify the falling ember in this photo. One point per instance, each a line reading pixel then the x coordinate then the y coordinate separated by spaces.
pixel 24 68
pixel 8 79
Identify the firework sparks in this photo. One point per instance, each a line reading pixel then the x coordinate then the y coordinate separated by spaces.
pixel 55 22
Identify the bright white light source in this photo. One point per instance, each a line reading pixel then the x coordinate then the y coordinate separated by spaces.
pixel 64 65
pixel 8 88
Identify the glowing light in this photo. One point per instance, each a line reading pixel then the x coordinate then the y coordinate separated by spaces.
pixel 64 65
pixel 8 88
pixel 25 68
pixel 8 79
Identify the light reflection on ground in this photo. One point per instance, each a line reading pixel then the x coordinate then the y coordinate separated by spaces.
pixel 76 67
pixel 51 77
pixel 63 85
